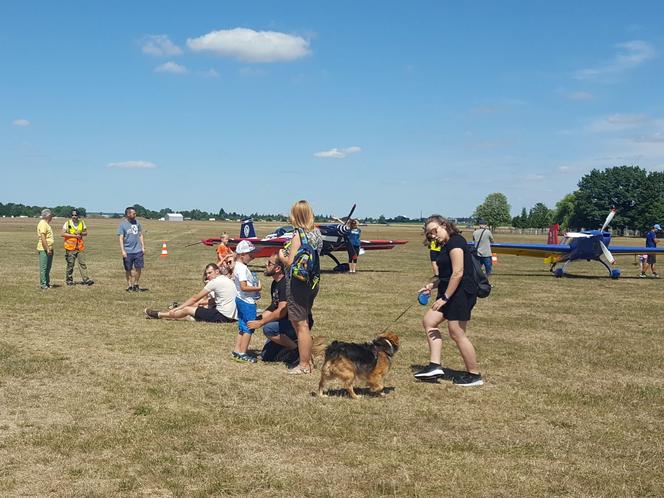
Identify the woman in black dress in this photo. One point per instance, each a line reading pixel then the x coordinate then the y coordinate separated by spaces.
pixel 457 294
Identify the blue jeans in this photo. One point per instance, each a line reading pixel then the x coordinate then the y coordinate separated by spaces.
pixel 272 349
pixel 487 262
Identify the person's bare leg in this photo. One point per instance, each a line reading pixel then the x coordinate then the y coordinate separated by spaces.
pixel 304 343
pixel 432 319
pixel 457 331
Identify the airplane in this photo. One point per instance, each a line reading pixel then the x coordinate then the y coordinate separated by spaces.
pixel 588 245
pixel 333 240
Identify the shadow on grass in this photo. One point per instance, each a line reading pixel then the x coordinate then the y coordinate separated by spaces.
pixel 360 391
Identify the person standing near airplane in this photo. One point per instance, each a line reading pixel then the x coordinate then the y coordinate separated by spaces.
pixel 73 232
pixel 457 295
pixel 483 238
pixel 302 289
pixel 651 241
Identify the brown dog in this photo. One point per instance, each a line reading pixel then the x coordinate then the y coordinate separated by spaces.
pixel 370 362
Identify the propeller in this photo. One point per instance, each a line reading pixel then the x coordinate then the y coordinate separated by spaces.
pixel 605 250
pixel 352 210
pixel 607 254
pixel 608 219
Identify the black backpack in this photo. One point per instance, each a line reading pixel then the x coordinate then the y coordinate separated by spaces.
pixel 477 275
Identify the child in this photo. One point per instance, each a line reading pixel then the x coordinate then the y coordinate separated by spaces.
pixel 643 263
pixel 222 249
pixel 354 245
pixel 248 288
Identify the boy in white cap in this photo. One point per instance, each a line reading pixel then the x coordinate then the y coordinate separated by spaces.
pixel 248 289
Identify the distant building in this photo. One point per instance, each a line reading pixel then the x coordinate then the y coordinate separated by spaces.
pixel 174 217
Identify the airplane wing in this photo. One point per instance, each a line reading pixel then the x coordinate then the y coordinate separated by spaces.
pixel 635 250
pixel 376 245
pixel 533 250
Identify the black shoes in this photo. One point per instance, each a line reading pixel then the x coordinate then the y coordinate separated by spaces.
pixel 430 372
pixel 467 379
pixel 134 288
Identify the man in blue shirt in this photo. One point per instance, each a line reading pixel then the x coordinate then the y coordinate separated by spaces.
pixel 651 241
pixel 132 246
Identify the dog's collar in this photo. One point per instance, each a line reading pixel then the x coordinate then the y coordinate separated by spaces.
pixel 391 351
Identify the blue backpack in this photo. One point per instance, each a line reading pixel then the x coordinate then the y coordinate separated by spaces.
pixel 306 263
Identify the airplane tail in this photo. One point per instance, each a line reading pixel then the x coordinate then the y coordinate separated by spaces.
pixel 247 229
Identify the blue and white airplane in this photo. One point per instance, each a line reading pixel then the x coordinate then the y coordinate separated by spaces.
pixel 588 245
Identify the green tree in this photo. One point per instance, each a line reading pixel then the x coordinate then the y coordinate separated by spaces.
pixel 620 187
pixel 494 210
pixel 564 210
pixel 540 216
pixel 650 208
pixel 520 221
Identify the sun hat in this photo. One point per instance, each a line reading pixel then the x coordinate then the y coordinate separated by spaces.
pixel 244 247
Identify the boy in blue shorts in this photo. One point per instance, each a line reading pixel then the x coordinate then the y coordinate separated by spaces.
pixel 248 292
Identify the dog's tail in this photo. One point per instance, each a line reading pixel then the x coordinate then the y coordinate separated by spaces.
pixel 318 348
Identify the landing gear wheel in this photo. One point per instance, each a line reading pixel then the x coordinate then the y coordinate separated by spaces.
pixel 615 274
pixel 558 272
pixel 341 268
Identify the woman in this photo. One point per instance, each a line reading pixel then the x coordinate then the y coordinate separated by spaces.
pixel 457 294
pixel 219 287
pixel 301 293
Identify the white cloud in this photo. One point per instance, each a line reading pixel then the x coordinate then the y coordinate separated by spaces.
pixel 171 68
pixel 580 96
pixel 617 122
pixel 209 73
pixel 630 54
pixel 338 153
pixel 159 46
pixel 253 46
pixel 132 165
pixel 21 123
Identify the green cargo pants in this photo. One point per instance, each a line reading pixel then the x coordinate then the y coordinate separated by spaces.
pixel 71 257
pixel 45 263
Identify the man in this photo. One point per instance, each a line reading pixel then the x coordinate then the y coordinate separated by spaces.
pixel 281 337
pixel 482 238
pixel 73 232
pixel 45 243
pixel 132 246
pixel 651 241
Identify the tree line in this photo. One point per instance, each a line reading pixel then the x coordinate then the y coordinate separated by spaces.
pixel 636 194
pixel 12 209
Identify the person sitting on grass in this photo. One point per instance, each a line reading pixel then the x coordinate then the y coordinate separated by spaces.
pixel 219 287
pixel 248 292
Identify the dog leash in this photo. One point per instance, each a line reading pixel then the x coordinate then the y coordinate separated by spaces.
pixel 397 318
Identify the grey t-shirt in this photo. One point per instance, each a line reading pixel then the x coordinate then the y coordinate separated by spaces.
pixel 131 232
pixel 224 292
pixel 484 247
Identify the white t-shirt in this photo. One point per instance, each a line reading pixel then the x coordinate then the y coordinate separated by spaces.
pixel 241 273
pixel 223 291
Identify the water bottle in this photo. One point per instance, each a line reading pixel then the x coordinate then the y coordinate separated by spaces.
pixel 255 281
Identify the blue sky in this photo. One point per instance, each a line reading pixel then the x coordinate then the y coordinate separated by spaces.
pixel 400 107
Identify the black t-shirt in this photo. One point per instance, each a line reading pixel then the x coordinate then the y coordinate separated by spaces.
pixel 444 263
pixel 278 292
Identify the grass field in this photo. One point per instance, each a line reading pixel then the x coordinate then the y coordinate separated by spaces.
pixel 95 400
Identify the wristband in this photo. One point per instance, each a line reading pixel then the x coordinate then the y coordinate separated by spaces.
pixel 445 298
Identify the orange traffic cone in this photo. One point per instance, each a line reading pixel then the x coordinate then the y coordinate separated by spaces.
pixel 164 249
pixel 494 258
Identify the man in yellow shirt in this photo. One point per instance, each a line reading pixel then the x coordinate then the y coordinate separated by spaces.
pixel 45 248
pixel 73 232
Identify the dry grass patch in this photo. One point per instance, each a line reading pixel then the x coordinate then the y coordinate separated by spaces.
pixel 97 401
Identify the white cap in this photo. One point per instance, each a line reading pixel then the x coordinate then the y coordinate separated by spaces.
pixel 244 247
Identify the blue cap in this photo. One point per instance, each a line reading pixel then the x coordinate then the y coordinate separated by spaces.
pixel 656 227
pixel 423 298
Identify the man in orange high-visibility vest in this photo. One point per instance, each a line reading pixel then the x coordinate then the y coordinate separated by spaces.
pixel 73 232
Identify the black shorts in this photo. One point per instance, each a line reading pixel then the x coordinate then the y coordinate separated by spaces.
pixel 459 306
pixel 211 315
pixel 133 260
pixel 433 255
pixel 652 259
pixel 300 300
pixel 353 253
